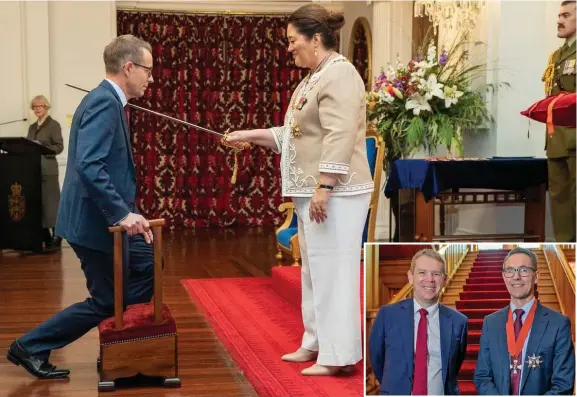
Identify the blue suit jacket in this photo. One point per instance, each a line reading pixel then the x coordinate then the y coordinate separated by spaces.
pixel 100 184
pixel 391 347
pixel 550 338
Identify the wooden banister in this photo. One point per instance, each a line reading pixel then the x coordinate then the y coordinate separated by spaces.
pixel 156 226
pixel 563 281
pixel 454 255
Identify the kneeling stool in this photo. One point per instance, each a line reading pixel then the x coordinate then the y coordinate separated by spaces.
pixel 141 339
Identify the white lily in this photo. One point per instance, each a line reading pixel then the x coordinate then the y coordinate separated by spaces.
pixel 418 103
pixel 452 95
pixel 432 88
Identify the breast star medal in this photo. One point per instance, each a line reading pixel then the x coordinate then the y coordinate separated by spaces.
pixel 296 131
pixel 295 128
pixel 534 362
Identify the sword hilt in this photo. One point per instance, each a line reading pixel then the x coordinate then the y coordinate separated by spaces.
pixel 245 145
pixel 237 150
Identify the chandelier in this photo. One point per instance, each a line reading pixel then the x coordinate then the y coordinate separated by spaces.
pixel 460 14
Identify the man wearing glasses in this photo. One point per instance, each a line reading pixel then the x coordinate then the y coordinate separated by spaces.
pixel 417 346
pixel 525 348
pixel 99 191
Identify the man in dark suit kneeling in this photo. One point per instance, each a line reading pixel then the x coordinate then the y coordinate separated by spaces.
pixel 417 346
pixel 99 191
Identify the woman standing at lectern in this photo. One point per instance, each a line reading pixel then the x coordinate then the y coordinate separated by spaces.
pixel 47 132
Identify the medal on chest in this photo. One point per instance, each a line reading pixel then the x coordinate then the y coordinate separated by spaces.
pixel 569 66
pixel 297 105
pixel 515 346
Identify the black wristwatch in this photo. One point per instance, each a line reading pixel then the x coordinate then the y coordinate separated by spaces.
pixel 321 186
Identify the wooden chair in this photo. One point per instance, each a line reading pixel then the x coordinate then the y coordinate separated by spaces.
pixel 286 234
pixel 143 338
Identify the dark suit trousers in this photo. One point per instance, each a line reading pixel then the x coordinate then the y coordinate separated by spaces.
pixel 76 320
pixel 562 197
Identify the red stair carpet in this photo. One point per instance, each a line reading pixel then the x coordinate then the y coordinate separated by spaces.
pixel 483 293
pixel 258 319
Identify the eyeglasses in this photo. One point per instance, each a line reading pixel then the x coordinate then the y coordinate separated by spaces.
pixel 523 271
pixel 148 68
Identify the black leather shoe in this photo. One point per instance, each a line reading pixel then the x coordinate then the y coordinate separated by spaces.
pixel 40 368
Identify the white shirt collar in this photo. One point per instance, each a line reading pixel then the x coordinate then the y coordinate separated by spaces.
pixel 526 308
pixel 119 92
pixel 431 309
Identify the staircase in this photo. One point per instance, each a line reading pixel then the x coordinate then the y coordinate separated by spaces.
pixel 478 290
pixel 570 255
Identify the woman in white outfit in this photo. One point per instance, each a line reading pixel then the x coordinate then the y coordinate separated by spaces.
pixel 326 173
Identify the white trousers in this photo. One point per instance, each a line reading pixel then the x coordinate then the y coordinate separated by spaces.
pixel 330 277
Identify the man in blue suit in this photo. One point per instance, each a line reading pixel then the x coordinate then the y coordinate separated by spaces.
pixel 99 191
pixel 525 348
pixel 417 346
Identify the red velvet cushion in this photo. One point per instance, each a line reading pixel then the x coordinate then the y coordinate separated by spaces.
pixel 562 112
pixel 138 323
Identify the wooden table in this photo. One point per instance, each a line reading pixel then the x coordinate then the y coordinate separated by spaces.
pixel 421 185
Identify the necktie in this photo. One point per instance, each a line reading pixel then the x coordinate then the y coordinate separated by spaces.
pixel 516 370
pixel 420 369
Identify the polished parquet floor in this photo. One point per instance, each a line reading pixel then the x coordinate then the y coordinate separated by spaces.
pixel 33 287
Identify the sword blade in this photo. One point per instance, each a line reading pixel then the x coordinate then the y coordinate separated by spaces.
pixel 219 134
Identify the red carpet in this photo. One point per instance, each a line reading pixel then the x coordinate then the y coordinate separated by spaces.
pixel 258 320
pixel 483 293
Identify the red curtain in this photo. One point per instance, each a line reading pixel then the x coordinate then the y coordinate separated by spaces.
pixel 220 72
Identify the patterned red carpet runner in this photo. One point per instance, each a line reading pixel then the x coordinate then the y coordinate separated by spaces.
pixel 483 293
pixel 258 320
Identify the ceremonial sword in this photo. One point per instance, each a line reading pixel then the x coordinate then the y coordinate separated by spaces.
pixel 219 134
pixel 222 136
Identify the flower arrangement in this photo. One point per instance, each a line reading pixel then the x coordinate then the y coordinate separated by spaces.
pixel 427 103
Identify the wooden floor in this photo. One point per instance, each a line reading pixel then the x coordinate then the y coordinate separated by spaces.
pixel 33 287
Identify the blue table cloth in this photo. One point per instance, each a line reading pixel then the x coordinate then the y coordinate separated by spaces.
pixel 432 177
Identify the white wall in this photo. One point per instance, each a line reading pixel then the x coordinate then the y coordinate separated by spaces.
pixel 352 11
pixel 518 49
pixel 12 100
pixel 52 43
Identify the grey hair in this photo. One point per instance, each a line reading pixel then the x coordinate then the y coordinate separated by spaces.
pixel 123 49
pixel 40 98
pixel 521 250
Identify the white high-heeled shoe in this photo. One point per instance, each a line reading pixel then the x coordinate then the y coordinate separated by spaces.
pixel 323 370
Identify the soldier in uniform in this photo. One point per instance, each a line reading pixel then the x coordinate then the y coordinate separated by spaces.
pixel 560 142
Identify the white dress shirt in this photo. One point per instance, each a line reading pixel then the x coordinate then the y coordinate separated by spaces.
pixel 119 92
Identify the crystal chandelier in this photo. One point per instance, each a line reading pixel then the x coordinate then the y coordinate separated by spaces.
pixel 460 14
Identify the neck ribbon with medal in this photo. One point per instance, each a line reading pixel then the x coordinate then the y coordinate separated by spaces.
pixel 515 346
pixel 298 105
